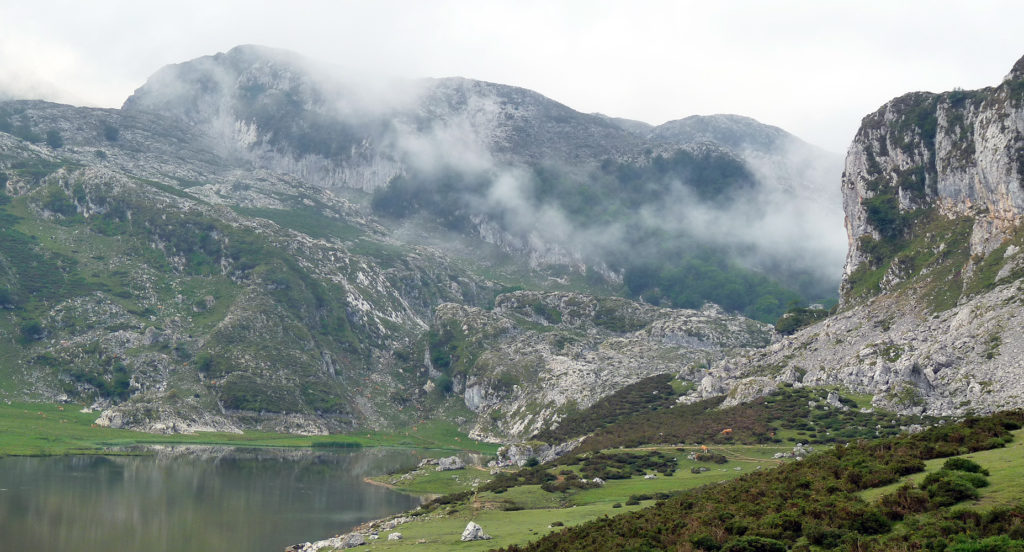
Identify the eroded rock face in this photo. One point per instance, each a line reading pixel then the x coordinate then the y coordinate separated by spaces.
pixel 450 463
pixel 965 359
pixel 934 198
pixel 519 454
pixel 520 366
pixel 960 153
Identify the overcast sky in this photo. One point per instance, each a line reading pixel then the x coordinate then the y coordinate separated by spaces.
pixel 812 67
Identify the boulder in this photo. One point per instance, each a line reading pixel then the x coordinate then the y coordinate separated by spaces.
pixel 474 532
pixel 450 463
pixel 395 536
pixel 352 540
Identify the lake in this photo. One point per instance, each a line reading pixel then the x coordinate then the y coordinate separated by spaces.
pixel 194 498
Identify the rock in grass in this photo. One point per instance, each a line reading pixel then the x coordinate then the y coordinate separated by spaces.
pixel 474 532
pixel 450 463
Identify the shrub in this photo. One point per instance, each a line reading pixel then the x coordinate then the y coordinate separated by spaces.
pixel 908 499
pixel 871 522
pixel 705 542
pixel 946 488
pixel 823 536
pixel 54 139
pixel 964 465
pixel 754 544
pixel 31 330
pixel 111 133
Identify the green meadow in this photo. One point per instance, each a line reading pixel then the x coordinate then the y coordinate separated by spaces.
pixel 524 513
pixel 38 429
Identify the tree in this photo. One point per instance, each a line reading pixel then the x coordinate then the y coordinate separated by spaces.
pixel 54 139
pixel 111 133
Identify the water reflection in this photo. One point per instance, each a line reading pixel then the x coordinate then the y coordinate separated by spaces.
pixel 192 498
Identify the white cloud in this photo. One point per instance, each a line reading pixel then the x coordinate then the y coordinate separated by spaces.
pixel 814 68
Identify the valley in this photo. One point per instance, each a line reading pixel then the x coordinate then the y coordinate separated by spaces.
pixel 635 330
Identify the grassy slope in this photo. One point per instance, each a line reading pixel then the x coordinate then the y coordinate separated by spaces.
pixel 818 500
pixel 786 408
pixel 541 508
pixel 1006 480
pixel 31 429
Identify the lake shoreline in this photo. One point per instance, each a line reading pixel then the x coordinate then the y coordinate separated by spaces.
pixel 41 429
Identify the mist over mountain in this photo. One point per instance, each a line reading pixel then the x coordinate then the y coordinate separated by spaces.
pixel 255 240
pixel 655 208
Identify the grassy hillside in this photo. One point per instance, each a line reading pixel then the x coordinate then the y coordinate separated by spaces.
pixel 815 504
pixel 518 506
pixel 524 511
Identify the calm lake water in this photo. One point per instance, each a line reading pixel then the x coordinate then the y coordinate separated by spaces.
pixel 193 499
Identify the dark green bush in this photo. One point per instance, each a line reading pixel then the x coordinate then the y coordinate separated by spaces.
pixel 705 542
pixel 754 544
pixel 31 330
pixel 907 500
pixel 946 488
pixel 54 139
pixel 964 465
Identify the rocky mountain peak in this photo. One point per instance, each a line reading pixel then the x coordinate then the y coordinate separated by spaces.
pixel 957 154
pixel 1017 73
pixel 733 131
pixel 933 192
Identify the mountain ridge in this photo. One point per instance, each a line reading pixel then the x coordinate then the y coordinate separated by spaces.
pixel 217 272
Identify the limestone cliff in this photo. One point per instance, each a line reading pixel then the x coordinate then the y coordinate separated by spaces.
pixel 930 319
pixel 960 154
pixel 537 356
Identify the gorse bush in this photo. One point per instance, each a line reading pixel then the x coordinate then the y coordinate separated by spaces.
pixel 816 499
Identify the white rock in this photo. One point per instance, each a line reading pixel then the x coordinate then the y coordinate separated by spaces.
pixel 474 532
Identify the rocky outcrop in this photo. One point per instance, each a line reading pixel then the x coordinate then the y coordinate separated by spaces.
pixel 959 153
pixel 474 532
pixel 341 542
pixel 518 455
pixel 934 196
pixel 450 463
pixel 521 366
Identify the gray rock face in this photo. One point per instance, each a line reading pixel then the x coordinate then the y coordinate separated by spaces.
pixel 450 463
pixel 352 540
pixel 474 532
pixel 942 336
pixel 959 152
pixel 520 454
pixel 537 354
pixel 965 359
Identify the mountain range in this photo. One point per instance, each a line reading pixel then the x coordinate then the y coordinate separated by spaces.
pixel 256 240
